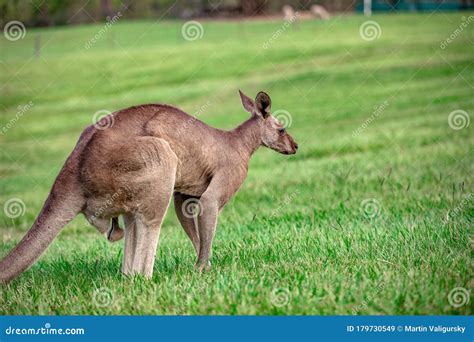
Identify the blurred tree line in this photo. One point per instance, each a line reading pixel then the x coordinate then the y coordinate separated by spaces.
pixel 64 12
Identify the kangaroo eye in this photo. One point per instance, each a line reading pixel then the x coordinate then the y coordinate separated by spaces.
pixel 281 131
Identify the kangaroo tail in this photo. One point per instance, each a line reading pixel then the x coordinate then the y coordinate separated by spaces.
pixel 64 202
pixel 60 208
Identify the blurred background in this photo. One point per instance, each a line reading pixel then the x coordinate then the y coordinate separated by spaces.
pixel 65 12
pixel 374 213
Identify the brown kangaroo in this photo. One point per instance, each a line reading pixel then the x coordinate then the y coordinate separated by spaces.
pixel 133 168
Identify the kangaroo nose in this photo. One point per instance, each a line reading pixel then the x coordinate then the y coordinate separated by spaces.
pixel 296 146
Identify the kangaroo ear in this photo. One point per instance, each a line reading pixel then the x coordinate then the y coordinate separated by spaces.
pixel 247 102
pixel 263 103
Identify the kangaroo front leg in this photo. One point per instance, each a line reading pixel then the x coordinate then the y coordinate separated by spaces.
pixel 220 190
pixel 207 222
pixel 184 206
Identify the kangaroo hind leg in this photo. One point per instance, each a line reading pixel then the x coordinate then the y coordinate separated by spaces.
pixel 152 187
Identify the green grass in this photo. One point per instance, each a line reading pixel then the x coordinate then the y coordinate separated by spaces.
pixel 297 228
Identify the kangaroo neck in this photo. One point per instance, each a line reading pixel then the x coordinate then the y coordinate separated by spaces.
pixel 246 138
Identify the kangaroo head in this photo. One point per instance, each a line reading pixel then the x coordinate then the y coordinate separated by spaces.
pixel 272 133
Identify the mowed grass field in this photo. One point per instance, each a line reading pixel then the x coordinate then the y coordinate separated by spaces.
pixel 373 215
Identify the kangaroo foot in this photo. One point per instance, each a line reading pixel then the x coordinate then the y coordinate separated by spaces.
pixel 115 233
pixel 203 266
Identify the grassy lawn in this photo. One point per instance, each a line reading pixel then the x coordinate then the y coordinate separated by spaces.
pixel 373 215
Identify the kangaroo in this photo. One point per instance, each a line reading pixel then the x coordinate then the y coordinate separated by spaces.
pixel 150 154
pixel 115 233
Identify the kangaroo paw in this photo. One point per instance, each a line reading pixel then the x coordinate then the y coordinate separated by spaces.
pixel 203 266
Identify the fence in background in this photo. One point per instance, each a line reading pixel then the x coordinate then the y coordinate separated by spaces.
pixel 416 5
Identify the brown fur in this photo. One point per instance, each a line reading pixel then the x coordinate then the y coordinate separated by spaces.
pixel 150 154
